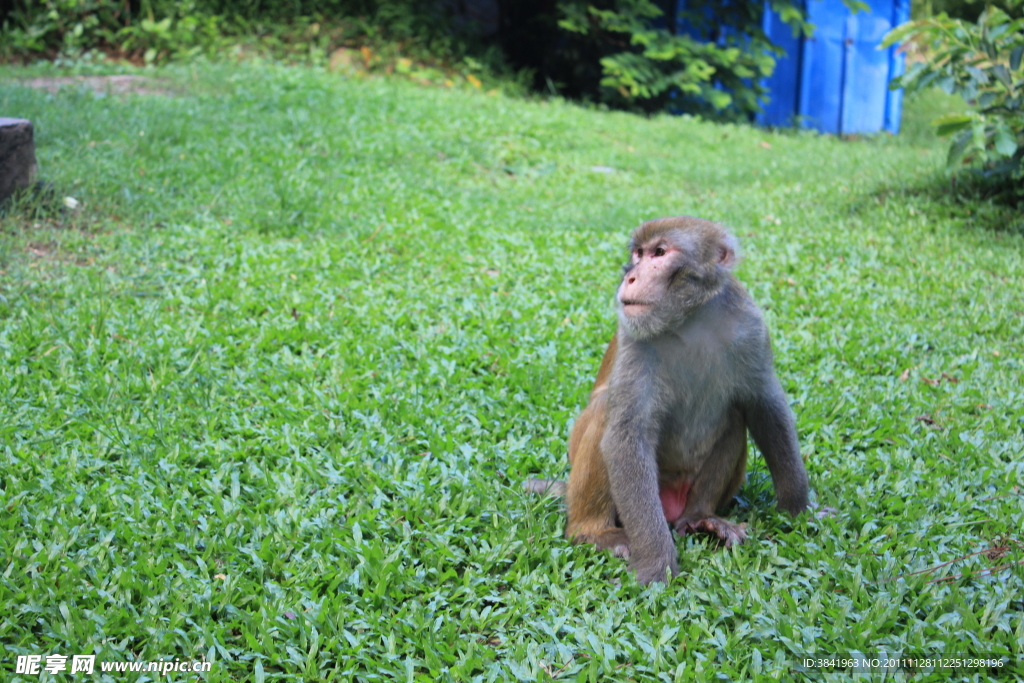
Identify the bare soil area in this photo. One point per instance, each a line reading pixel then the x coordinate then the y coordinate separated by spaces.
pixel 110 85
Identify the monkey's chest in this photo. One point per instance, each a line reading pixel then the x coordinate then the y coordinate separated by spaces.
pixel 690 431
pixel 691 434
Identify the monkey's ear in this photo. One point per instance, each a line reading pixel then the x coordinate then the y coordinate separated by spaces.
pixel 727 252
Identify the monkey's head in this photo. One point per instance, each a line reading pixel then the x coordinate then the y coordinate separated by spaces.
pixel 675 266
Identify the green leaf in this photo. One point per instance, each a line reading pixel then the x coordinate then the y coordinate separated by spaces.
pixel 900 34
pixel 977 74
pixel 1015 57
pixel 1005 143
pixel 950 123
pixel 958 148
pixel 719 98
pixel 987 99
pixel 1003 74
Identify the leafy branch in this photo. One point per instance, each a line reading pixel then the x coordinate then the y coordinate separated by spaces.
pixel 980 62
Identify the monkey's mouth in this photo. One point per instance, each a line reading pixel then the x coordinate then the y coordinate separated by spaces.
pixel 634 306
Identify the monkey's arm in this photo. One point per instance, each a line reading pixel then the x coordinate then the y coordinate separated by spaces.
pixel 628 448
pixel 770 422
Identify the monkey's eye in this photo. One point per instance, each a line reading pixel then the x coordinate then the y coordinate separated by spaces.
pixel 660 251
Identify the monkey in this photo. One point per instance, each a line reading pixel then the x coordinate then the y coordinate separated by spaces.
pixel 662 440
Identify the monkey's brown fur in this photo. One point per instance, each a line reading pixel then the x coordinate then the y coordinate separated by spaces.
pixel 588 494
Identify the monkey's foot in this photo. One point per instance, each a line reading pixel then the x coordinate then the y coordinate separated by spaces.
pixel 616 541
pixel 609 539
pixel 823 512
pixel 545 487
pixel 729 533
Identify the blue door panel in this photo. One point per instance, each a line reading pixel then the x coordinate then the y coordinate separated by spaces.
pixel 783 88
pixel 822 83
pixel 867 74
pixel 894 105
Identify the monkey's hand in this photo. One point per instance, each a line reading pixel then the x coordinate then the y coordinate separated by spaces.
pixel 729 533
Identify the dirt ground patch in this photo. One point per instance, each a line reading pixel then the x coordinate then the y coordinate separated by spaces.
pixel 110 85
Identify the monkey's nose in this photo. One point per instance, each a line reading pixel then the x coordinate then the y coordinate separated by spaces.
pixel 631 280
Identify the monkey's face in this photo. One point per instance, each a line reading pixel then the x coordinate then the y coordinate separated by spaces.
pixel 644 294
pixel 667 276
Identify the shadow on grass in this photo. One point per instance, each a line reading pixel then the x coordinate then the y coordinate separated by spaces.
pixel 967 197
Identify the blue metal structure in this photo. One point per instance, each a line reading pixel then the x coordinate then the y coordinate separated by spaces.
pixel 837 81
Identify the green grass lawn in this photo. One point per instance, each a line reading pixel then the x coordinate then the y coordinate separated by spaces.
pixel 270 393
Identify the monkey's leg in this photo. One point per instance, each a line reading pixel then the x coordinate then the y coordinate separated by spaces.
pixel 715 485
pixel 555 489
pixel 588 494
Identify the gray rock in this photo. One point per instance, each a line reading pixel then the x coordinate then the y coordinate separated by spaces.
pixel 17 156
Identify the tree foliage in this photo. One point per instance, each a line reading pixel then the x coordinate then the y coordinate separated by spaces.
pixel 158 30
pixel 980 61
pixel 640 54
pixel 643 55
